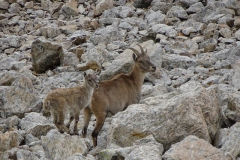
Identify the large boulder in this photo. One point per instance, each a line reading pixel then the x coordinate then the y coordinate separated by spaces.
pixel 169 117
pixel 21 98
pixel 62 146
pixel 45 55
pixel 194 148
pixel 36 124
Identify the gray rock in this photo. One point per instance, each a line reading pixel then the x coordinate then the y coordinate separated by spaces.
pixel 118 12
pixel 42 51
pixel 162 5
pixel 191 146
pixel 45 4
pixel 146 148
pixel 237 34
pixel 103 5
pixel 79 37
pixel 177 11
pixel 62 146
pixel 188 3
pixel 36 124
pixel 225 32
pixel 12 122
pixel 189 30
pixel 198 26
pixel 162 29
pixel 175 61
pixel 155 17
pixel 166 123
pixel 209 45
pixel 126 26
pixel 9 140
pixel 14 8
pixel 26 155
pixel 4 4
pixel 49 31
pixel 21 98
pixel 70 9
pixel 30 139
pixel 107 35
pixel 229 140
pixel 236 74
pixel 195 8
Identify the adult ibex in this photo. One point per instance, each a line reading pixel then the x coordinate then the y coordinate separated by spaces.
pixel 118 93
pixel 70 100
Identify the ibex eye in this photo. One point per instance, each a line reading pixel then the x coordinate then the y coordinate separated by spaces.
pixel 140 61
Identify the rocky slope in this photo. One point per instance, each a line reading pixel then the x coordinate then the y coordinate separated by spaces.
pixel 190 106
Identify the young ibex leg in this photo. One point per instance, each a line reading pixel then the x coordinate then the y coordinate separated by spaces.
pixel 55 121
pixel 76 117
pixel 61 123
pixel 87 117
pixel 99 124
pixel 70 120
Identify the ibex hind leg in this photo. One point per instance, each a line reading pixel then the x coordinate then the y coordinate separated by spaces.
pixel 87 116
pixel 99 124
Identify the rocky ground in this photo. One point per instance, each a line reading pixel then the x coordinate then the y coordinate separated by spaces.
pixel 190 107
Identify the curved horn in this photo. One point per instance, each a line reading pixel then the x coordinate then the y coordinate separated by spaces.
pixel 135 51
pixel 141 49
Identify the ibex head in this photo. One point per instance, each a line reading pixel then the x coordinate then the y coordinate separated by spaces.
pixel 91 79
pixel 142 60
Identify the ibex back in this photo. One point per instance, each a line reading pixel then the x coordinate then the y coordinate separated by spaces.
pixel 118 93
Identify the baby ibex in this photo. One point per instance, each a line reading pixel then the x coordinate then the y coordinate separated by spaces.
pixel 70 100
pixel 118 93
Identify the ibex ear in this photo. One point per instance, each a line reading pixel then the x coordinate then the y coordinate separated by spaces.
pixel 84 74
pixel 134 57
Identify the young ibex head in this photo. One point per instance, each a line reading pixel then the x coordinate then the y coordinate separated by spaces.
pixel 91 80
pixel 142 60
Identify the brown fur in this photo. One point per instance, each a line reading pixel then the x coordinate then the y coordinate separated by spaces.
pixel 118 93
pixel 70 100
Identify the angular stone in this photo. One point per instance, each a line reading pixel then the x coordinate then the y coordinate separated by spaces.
pixel 62 146
pixel 21 98
pixel 169 118
pixel 156 17
pixel 103 5
pixel 70 9
pixel 195 8
pixel 146 148
pixel 9 140
pixel 45 55
pixel 36 124
pixel 177 11
pixel 107 35
pixel 209 45
pixel 4 4
pixel 49 31
pixel 236 75
pixel 195 148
